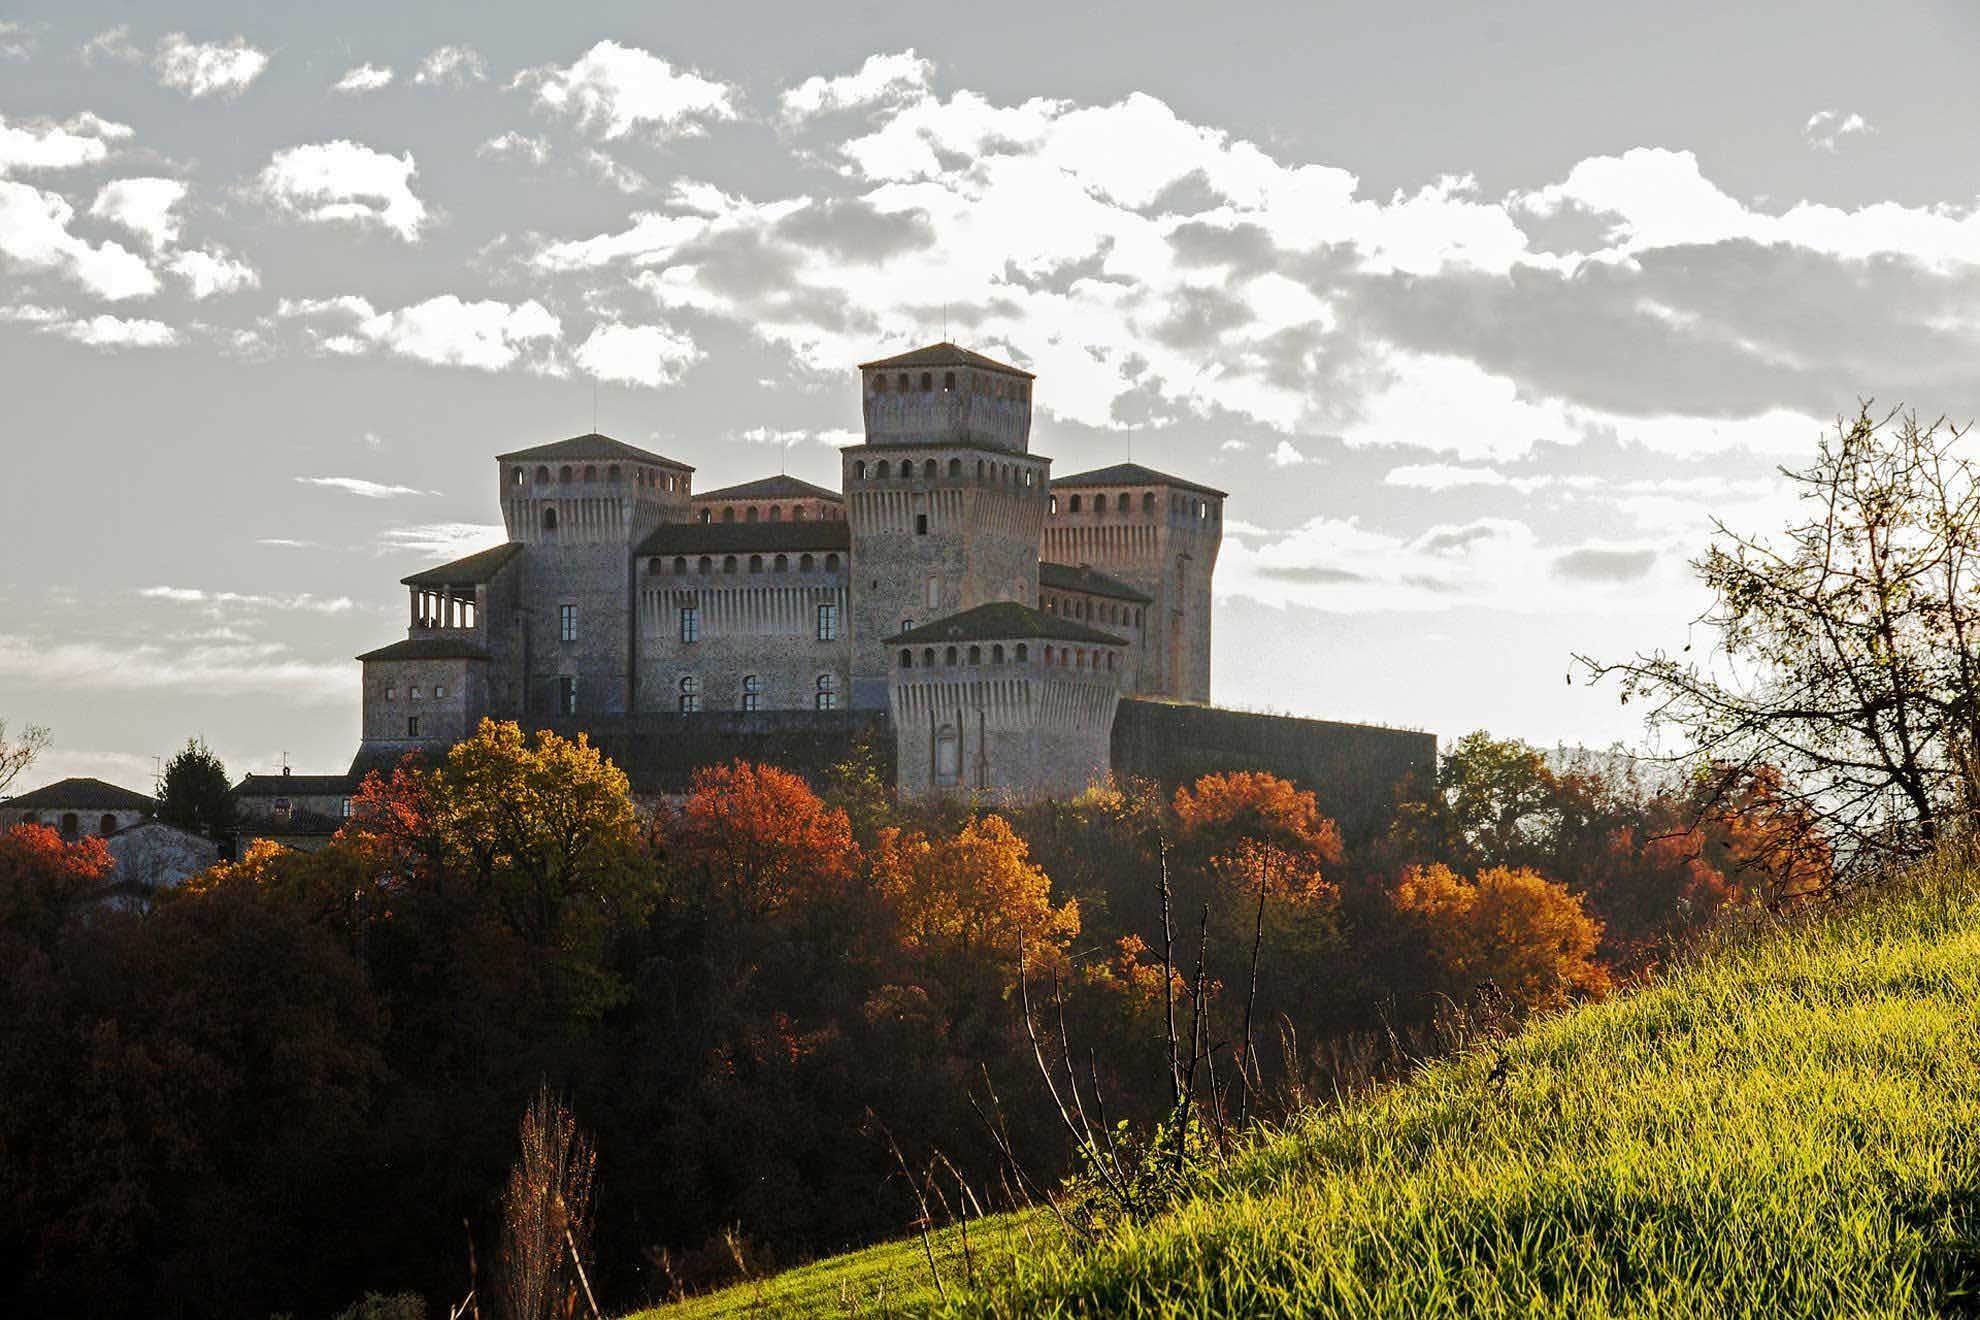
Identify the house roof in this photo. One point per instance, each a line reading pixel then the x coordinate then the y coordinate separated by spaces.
pixel 592 445
pixel 1133 474
pixel 772 488
pixel 83 793
pixel 1000 621
pixel 1082 577
pixel 479 567
pixel 293 785
pixel 946 354
pixel 714 538
pixel 429 648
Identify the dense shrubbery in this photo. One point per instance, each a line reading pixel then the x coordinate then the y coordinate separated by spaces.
pixel 291 1083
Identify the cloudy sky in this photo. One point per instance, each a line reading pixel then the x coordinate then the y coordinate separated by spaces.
pixel 1480 320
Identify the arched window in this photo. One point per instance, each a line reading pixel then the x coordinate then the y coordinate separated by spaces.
pixel 707 514
pixel 543 474
pixel 1075 504
pixel 564 475
pixel 107 825
pixel 704 565
pixel 591 472
pixel 880 470
pixel 976 655
pixel 1023 653
pixel 831 563
pixel 927 657
pixel 927 382
pixel 728 563
pixel 797 513
pixel 948 756
pixel 680 565
pixel 690 694
pixel 549 520
pixel 827 695
pixel 859 469
pixel 948 382
pixel 997 654
pixel 752 692
pixel 879 382
pixel 806 563
pixel 70 825
pixel 729 514
pixel 928 468
pixel 1100 503
pixel 782 564
pixel 907 658
pixel 612 473
pixel 979 469
pixel 516 476
pixel 749 514
pixel 955 467
pixel 902 382
pixel 949 656
pixel 776 513
pixel 756 563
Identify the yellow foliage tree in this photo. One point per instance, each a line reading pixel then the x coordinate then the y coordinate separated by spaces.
pixel 972 894
pixel 1511 927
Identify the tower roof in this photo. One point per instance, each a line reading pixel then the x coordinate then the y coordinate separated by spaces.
pixel 1083 577
pixel 1000 621
pixel 772 488
pixel 946 354
pixel 592 445
pixel 429 648
pixel 1133 474
pixel 479 567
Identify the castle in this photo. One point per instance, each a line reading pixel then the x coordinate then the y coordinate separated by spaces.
pixel 995 614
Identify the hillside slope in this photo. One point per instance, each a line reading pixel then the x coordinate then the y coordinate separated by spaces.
pixel 1789 1125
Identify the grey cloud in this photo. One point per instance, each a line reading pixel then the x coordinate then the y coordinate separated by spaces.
pixel 1446 539
pixel 1198 317
pixel 1192 194
pixel 1590 564
pixel 853 229
pixel 1312 576
pixel 1247 249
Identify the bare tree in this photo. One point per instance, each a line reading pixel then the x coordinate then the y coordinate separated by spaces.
pixel 547 1216
pixel 1846 649
pixel 21 753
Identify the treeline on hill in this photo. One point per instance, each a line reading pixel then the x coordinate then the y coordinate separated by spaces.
pixel 299 1079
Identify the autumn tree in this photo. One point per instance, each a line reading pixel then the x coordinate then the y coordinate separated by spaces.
pixel 1510 928
pixel 757 840
pixel 43 879
pixel 194 793
pixel 1846 651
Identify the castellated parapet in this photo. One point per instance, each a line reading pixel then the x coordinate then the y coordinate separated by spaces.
pixel 915 599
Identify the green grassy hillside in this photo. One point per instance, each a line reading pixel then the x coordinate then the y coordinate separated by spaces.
pixel 1790 1124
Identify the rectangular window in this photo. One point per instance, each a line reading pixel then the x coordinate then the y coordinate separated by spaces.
pixel 412 726
pixel 690 623
pixel 827 701
pixel 921 524
pixel 566 695
pixel 828 623
pixel 690 703
pixel 567 623
pixel 934 592
pixel 413 692
pixel 347 809
pixel 391 694
pixel 439 691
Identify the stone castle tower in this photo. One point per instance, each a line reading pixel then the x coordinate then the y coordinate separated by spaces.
pixel 945 500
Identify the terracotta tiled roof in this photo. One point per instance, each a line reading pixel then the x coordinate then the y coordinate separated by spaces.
pixel 478 567
pixel 946 355
pixel 429 648
pixel 593 445
pixel 772 488
pixel 83 794
pixel 1132 474
pixel 1001 621
pixel 1082 577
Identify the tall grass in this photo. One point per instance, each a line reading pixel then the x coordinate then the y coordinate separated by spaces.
pixel 1786 1124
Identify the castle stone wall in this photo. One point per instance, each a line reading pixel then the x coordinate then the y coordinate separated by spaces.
pixel 661 752
pixel 763 625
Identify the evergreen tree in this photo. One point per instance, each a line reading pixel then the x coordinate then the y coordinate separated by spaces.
pixel 193 792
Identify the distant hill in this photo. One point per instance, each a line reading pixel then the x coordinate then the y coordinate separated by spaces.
pixel 1784 1126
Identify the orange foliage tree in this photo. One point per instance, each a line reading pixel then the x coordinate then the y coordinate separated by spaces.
pixel 42 877
pixel 1510 927
pixel 971 895
pixel 759 840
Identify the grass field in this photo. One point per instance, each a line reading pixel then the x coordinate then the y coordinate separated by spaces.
pixel 1788 1125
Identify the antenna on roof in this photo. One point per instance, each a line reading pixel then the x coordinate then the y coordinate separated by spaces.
pixel 594 405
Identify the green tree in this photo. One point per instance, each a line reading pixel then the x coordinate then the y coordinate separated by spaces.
pixel 193 792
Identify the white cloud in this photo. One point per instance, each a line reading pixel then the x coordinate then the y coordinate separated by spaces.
pixel 344 180
pixel 834 437
pixel 112 44
pixel 452 66
pixel 364 78
pixel 91 666
pixel 614 89
pixel 34 231
pixel 883 78
pixel 1826 128
pixel 207 68
pixel 649 355
pixel 370 490
pixel 304 601
pixel 16 43
pixel 446 330
pixel 207 273
pixel 622 177
pixel 106 331
pixel 142 206
pixel 42 145
pixel 1285 455
pixel 516 144
pixel 443 541
pixel 1443 476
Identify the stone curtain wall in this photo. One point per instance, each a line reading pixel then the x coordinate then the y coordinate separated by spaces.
pixel 1353 769
pixel 661 752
